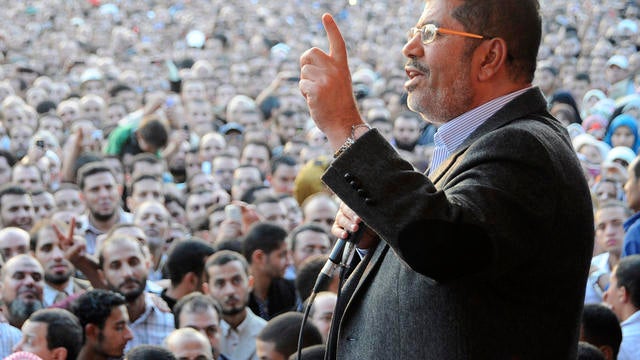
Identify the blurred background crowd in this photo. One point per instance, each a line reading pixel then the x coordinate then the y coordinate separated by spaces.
pixel 143 120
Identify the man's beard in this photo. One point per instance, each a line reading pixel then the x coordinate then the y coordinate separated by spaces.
pixel 103 217
pixel 236 310
pixel 130 295
pixel 57 279
pixel 232 311
pixel 99 349
pixel 20 310
pixel 406 146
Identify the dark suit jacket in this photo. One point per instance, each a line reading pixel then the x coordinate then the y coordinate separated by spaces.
pixel 486 259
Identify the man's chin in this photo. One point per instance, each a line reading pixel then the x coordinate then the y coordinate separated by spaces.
pixel 233 311
pixel 103 216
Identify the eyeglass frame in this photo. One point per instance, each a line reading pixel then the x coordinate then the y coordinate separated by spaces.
pixel 439 30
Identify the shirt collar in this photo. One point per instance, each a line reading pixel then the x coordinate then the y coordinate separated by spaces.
pixel 453 133
pixel 50 293
pixel 226 327
pixel 149 307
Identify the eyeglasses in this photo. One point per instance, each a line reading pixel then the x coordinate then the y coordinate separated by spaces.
pixel 428 33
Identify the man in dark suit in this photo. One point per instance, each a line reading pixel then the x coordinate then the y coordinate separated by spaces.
pixel 487 256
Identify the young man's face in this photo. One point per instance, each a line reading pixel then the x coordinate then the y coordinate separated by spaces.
pixel 115 334
pixel 101 195
pixel 266 350
pixel 614 295
pixel 283 179
pixel 124 268
pixel 69 200
pixel 57 269
pixel 277 261
pixel 206 322
pixel 17 210
pixel 609 229
pixel 310 243
pixel 230 285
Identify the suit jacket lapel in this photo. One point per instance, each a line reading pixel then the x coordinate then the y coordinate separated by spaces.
pixel 369 266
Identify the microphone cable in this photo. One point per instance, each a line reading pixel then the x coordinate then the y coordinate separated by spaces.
pixel 337 258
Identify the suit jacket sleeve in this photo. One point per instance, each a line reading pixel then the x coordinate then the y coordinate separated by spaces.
pixel 496 208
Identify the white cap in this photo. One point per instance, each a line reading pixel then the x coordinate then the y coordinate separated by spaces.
pixel 619 61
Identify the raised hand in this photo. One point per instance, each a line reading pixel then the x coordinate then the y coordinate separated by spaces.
pixel 325 82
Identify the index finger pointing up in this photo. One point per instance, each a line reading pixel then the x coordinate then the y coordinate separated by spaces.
pixel 337 48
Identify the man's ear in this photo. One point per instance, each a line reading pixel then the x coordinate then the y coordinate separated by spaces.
pixel 192 279
pixel 59 353
pixel 250 281
pixel 624 295
pixel 257 257
pixel 607 351
pixel 205 288
pixel 91 332
pixel 492 55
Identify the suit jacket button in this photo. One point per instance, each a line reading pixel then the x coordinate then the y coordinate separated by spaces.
pixel 351 338
pixel 362 193
pixel 348 177
pixel 354 184
pixel 369 201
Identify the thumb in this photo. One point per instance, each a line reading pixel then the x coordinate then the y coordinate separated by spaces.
pixel 337 48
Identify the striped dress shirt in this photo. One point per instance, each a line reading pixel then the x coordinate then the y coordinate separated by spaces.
pixel 453 133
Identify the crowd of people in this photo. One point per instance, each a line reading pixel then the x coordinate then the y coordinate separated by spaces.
pixel 160 172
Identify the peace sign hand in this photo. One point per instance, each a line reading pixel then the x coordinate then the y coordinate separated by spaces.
pixel 74 247
pixel 325 82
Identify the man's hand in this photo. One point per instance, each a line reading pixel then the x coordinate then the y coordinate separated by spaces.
pixel 347 221
pixel 325 82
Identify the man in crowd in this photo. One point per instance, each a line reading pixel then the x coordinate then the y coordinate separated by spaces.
pixel 623 296
pixel 319 209
pixel 204 314
pixel 143 188
pixel 284 170
pixel 59 282
pixel 153 218
pixel 52 334
pixel 123 268
pixel 101 194
pixel 189 344
pixel 16 208
pixel 105 322
pixel 228 281
pixel 308 240
pixel 13 241
pixel 185 265
pixel 22 283
pixel 609 220
pixel 632 225
pixel 600 328
pixel 266 250
pixel 279 338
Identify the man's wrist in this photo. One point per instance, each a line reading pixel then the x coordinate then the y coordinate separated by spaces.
pixel 357 131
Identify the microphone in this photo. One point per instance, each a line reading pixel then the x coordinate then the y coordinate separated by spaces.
pixel 338 257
